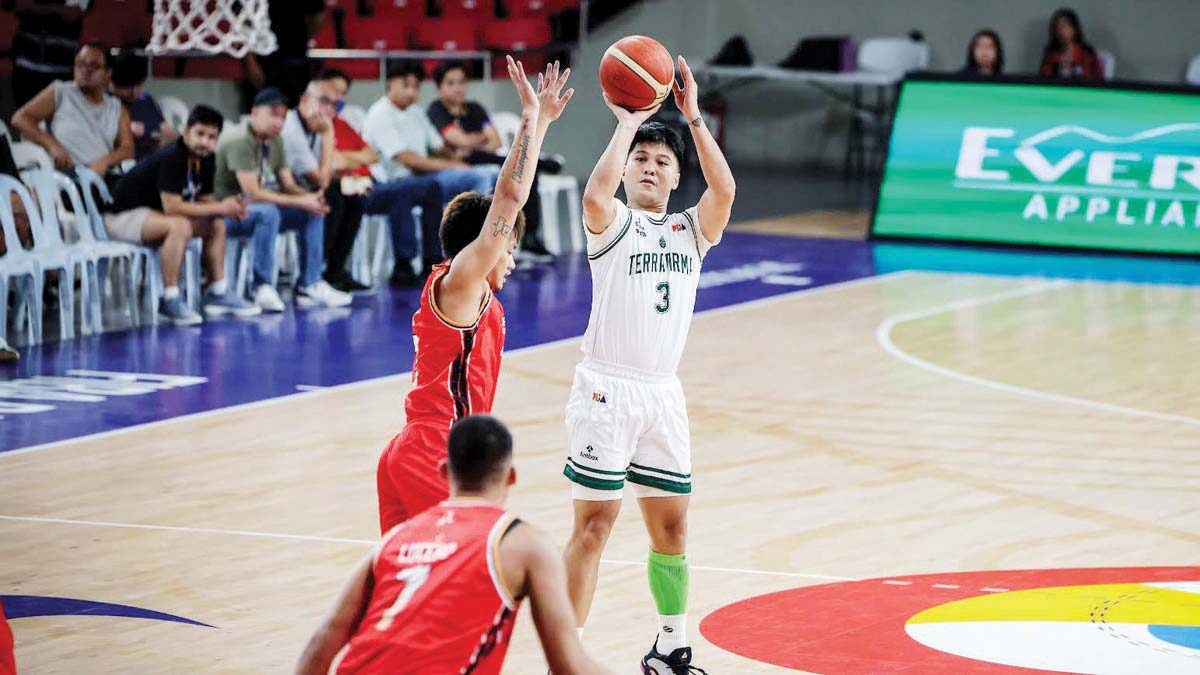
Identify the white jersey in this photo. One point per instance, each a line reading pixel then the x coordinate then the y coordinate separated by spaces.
pixel 645 271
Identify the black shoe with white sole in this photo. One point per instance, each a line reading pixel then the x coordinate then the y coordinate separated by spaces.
pixel 679 662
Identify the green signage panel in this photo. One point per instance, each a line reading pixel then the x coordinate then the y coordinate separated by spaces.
pixel 1044 164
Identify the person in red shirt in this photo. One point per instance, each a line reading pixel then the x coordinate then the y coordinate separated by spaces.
pixel 458 331
pixel 1067 54
pixel 8 660
pixel 440 593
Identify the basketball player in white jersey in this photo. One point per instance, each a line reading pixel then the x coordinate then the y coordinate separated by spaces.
pixel 626 417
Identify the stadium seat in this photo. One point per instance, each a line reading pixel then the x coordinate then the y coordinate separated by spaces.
pixel 118 23
pixel 892 55
pixel 557 6
pixel 8 29
pixel 1108 63
pixel 479 10
pixel 525 9
pixel 199 67
pixel 407 11
pixel 453 35
pixel 376 34
pixel 516 36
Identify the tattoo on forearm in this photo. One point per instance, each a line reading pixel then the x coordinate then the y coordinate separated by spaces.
pixel 522 155
pixel 697 122
pixel 501 228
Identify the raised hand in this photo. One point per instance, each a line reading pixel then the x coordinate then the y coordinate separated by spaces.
pixel 629 118
pixel 551 98
pixel 529 98
pixel 686 96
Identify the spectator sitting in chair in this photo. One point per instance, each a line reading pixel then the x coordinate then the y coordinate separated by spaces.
pixel 1067 54
pixel 85 124
pixel 985 55
pixel 150 128
pixel 414 160
pixel 308 142
pixel 251 161
pixel 467 129
pixel 177 181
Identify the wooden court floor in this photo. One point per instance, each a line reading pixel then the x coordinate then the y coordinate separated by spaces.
pixel 905 424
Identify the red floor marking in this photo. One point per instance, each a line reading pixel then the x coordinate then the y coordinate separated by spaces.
pixel 857 627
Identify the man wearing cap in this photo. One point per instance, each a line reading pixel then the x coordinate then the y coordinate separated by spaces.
pixel 251 162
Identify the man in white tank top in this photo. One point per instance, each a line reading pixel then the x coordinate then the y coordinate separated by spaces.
pixel 627 417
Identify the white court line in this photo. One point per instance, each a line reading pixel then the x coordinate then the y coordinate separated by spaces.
pixel 717 311
pixel 364 542
pixel 883 335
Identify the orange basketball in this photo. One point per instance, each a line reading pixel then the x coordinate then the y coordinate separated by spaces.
pixel 636 72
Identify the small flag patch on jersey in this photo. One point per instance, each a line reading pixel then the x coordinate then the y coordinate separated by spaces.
pixel 599 398
pixel 678 227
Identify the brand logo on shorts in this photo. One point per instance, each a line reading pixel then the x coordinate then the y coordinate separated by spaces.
pixel 589 454
pixel 599 398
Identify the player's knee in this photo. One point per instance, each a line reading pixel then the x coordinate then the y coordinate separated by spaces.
pixel 592 532
pixel 670 534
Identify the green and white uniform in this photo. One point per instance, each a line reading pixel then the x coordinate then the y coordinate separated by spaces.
pixel 627 416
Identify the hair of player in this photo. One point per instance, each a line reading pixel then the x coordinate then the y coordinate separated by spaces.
pixel 443 69
pixel 479 449
pixel 657 132
pixel 405 68
pixel 128 69
pixel 333 74
pixel 205 115
pixel 463 220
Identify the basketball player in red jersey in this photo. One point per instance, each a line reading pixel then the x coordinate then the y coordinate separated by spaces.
pixel 8 661
pixel 458 331
pixel 439 594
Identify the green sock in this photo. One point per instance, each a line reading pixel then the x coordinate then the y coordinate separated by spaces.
pixel 668 576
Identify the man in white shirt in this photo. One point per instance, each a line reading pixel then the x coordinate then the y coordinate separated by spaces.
pixel 413 156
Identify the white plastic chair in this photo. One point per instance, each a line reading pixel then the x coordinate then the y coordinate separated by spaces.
pixel 175 111
pixel 507 125
pixel 53 253
pixel 892 55
pixel 355 116
pixel 30 157
pixel 141 259
pixel 1108 63
pixel 19 265
pixel 1192 76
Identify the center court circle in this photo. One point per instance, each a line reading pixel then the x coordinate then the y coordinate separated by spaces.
pixel 1110 620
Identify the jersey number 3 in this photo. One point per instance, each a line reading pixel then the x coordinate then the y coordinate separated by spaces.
pixel 664 302
pixel 413 578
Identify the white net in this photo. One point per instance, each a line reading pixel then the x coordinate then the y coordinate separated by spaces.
pixel 233 27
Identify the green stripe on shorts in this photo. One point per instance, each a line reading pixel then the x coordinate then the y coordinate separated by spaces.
pixel 594 483
pixel 660 483
pixel 650 469
pixel 589 469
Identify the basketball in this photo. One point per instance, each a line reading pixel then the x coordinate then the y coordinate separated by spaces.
pixel 636 72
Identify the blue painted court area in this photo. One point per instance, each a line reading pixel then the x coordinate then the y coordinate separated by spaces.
pixel 84 386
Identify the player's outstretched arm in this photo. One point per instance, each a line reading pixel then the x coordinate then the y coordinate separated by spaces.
pixel 531 563
pixel 716 202
pixel 598 206
pixel 336 629
pixel 539 109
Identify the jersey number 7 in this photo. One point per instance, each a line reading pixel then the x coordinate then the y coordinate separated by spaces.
pixel 413 578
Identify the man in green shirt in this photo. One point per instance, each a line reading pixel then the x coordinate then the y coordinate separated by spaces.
pixel 251 163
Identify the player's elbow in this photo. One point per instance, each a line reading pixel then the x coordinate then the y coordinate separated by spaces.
pixel 725 190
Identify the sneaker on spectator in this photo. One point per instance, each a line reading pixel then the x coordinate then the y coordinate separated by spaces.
pixel 267 298
pixel 536 251
pixel 176 312
pixel 8 353
pixel 342 281
pixel 229 303
pixel 321 294
pixel 403 275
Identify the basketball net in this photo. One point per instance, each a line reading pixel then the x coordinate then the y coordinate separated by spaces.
pixel 233 27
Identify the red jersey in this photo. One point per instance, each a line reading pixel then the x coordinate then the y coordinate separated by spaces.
pixel 347 139
pixel 454 367
pixel 439 605
pixel 8 661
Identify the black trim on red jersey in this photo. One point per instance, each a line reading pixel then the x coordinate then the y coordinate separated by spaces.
pixel 459 386
pixel 490 641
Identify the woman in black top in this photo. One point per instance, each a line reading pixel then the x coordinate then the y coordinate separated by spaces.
pixel 985 55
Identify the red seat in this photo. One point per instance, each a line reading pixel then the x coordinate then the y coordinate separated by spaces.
pixel 118 23
pixel 517 35
pixel 557 6
pixel 451 35
pixel 375 34
pixel 8 30
pixel 480 10
pixel 199 67
pixel 408 11
pixel 523 9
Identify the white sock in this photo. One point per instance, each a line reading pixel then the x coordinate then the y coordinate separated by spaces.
pixel 170 292
pixel 218 287
pixel 672 632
